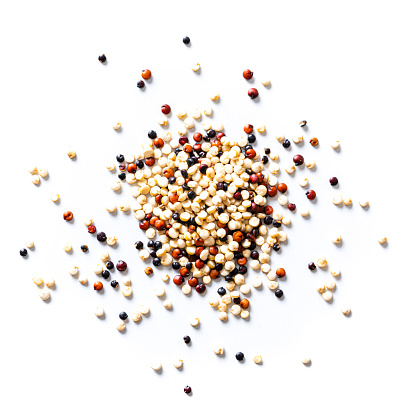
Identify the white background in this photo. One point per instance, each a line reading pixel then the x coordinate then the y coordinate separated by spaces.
pixel 347 68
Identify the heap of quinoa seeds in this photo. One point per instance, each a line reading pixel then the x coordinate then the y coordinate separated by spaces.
pixel 206 204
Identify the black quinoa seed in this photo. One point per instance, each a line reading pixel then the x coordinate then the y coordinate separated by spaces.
pixel 152 134
pixel 277 224
pixel 239 356
pixel 138 245
pixel 221 291
pixel 279 293
pixel 101 237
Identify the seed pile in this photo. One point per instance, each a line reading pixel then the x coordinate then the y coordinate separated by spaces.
pixel 207 204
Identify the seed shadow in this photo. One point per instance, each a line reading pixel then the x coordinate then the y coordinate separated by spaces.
pixel 260 288
pixel 385 245
pixel 163 297
pixel 338 149
pixel 159 371
pixel 309 364
pixel 130 297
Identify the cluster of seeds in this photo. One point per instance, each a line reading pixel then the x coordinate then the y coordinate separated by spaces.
pixel 207 202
